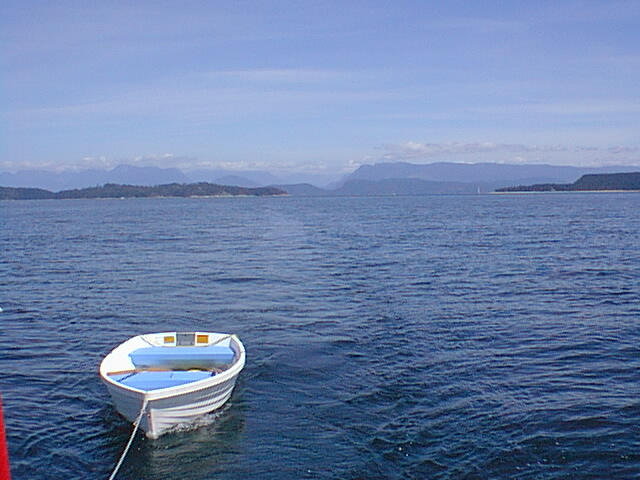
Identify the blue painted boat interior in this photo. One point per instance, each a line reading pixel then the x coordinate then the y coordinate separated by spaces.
pixel 182 357
pixel 150 380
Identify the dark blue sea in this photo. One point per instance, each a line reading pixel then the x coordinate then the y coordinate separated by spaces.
pixel 434 337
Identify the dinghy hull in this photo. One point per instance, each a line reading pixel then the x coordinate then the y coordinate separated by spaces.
pixel 170 398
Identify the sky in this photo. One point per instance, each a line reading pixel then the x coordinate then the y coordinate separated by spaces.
pixel 317 86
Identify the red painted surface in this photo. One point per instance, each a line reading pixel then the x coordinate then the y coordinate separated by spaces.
pixel 5 474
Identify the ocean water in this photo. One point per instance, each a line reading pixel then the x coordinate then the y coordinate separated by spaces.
pixel 435 337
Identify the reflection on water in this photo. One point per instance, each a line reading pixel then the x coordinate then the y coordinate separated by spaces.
pixel 197 451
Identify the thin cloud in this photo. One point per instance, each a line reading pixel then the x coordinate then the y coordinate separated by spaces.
pixel 417 150
pixel 565 109
pixel 215 96
pixel 284 76
pixel 623 150
pixel 481 25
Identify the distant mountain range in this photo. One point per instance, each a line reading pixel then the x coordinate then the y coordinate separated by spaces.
pixel 68 180
pixel 448 178
pixel 398 178
pixel 144 176
pixel 471 178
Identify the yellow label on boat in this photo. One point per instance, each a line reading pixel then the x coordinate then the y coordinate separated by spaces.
pixel 169 339
pixel 202 338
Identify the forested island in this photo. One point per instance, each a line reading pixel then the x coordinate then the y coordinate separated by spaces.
pixel 134 191
pixel 586 183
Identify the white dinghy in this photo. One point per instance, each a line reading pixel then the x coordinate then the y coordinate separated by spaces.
pixel 166 379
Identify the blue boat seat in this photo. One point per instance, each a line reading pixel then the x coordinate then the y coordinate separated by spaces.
pixel 182 358
pixel 154 380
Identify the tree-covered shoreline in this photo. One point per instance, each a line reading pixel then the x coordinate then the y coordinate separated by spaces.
pixel 586 183
pixel 111 190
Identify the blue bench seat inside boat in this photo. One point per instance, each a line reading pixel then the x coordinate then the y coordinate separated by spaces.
pixel 182 358
pixel 150 380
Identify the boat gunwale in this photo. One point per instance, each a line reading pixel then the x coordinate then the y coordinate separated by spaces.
pixel 176 390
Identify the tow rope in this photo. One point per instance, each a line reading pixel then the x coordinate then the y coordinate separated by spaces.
pixel 136 425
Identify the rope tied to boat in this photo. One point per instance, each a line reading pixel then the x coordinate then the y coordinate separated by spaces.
pixel 136 425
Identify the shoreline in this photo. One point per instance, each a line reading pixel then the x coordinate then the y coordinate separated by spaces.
pixel 540 192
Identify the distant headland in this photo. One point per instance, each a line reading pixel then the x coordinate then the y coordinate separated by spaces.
pixel 586 183
pixel 111 190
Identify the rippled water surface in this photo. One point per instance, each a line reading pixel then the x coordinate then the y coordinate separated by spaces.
pixel 443 337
